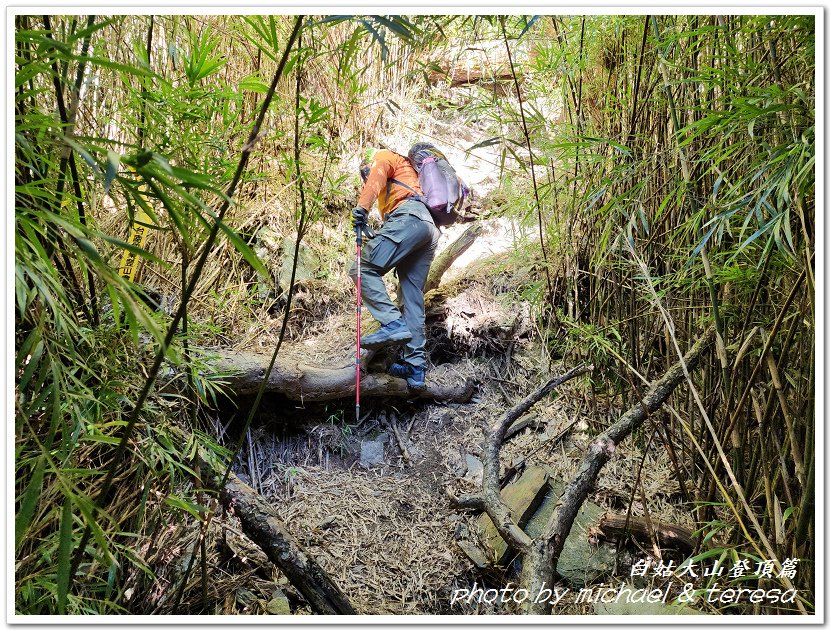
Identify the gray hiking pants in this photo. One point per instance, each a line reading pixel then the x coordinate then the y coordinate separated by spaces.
pixel 406 243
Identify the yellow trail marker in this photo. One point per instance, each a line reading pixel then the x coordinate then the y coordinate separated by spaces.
pixel 138 236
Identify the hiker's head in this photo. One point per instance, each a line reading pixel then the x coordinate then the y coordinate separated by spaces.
pixel 366 162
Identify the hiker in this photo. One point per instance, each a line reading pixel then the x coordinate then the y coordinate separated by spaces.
pixel 407 243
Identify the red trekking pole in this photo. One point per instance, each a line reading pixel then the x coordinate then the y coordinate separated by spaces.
pixel 358 231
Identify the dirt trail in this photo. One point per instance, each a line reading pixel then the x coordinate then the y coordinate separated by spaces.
pixel 386 532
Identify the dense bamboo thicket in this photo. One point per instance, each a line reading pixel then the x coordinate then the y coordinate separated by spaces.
pixel 672 186
pixel 688 191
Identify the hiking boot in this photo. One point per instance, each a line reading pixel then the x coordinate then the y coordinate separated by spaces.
pixel 392 334
pixel 399 370
pixel 414 375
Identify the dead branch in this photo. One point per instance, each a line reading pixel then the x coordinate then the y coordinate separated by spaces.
pixel 617 527
pixel 490 499
pixel 401 443
pixel 262 524
pixel 517 466
pixel 543 554
pixel 520 425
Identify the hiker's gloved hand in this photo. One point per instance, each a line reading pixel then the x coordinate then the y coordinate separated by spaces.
pixel 359 217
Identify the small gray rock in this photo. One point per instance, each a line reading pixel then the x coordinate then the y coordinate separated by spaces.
pixel 580 562
pixel 279 604
pixel 473 553
pixel 475 469
pixel 245 598
pixel 643 608
pixel 371 454
pixel 307 263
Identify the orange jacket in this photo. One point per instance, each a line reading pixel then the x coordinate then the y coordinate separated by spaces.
pixel 388 165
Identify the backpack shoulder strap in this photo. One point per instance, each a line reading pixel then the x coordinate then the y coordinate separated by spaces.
pixel 415 195
pixel 392 180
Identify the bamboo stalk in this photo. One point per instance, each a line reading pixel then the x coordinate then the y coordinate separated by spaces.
pixel 795 447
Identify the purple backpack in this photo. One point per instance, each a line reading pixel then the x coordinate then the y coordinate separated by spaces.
pixel 442 190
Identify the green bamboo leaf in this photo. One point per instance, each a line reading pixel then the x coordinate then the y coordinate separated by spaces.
pixel 25 350
pixel 701 244
pixel 378 37
pixel 243 248
pixel 112 573
pixel 44 42
pixel 138 251
pixel 788 234
pixel 528 24
pixel 29 72
pixel 177 502
pixel 82 151
pixel 88 511
pixel 65 547
pixel 119 67
pixel 762 230
pixel 101 439
pixel 335 19
pixel 398 25
pixel 191 178
pixel 90 30
pixel 114 303
pixel 38 403
pixel 717 186
pixel 31 366
pixel 26 511
pixel 485 143
pixel 253 83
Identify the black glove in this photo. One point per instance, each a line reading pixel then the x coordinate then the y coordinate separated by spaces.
pixel 359 217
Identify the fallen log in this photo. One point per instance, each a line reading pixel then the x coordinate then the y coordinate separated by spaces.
pixel 470 76
pixel 246 370
pixel 263 525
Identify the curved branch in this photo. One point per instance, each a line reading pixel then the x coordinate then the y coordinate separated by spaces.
pixel 490 497
pixel 543 555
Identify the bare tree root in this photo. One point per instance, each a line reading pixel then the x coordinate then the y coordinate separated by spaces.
pixel 541 555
